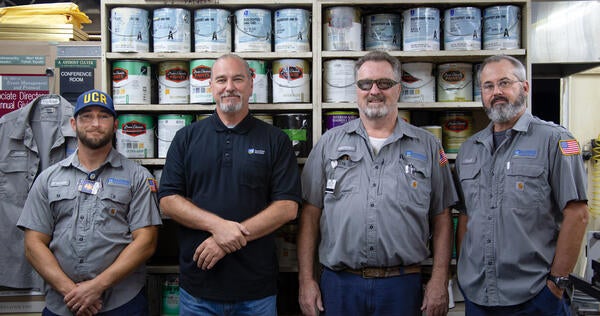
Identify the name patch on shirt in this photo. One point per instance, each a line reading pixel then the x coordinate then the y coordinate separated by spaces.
pixel 121 182
pixel 526 153
pixel 569 147
pixel 59 183
pixel 416 155
pixel 346 148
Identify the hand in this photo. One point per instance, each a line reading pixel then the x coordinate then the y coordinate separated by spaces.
pixel 435 300
pixel 84 299
pixel 555 289
pixel 309 298
pixel 230 236
pixel 208 254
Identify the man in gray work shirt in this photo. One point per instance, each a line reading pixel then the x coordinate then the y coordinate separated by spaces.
pixel 371 188
pixel 525 214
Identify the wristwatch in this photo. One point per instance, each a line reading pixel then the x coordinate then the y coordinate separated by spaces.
pixel 560 281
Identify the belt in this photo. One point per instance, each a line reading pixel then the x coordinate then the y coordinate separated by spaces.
pixel 385 272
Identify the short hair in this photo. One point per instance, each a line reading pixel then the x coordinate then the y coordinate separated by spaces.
pixel 234 56
pixel 519 69
pixel 381 56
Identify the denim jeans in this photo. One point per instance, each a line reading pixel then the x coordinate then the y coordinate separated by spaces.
pixel 193 306
pixel 351 295
pixel 543 304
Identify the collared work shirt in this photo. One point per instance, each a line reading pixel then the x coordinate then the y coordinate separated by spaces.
pixel 31 138
pixel 376 210
pixel 89 231
pixel 514 197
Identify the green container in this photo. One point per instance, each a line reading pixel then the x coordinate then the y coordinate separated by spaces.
pixel 135 135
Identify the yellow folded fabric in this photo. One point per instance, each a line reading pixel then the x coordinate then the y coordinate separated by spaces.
pixel 47 13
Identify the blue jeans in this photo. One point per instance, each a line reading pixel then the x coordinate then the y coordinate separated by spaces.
pixel 351 295
pixel 543 304
pixel 192 306
pixel 137 306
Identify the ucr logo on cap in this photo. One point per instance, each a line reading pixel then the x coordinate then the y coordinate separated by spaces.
pixel 94 96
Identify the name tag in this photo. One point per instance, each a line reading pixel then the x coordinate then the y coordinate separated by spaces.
pixel 89 186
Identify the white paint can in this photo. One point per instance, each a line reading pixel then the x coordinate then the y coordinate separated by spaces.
pixel 135 135
pixel 171 30
pixel 292 30
pixel 168 125
pixel 212 30
pixel 502 27
pixel 455 82
pixel 383 31
pixel 252 30
pixel 476 85
pixel 462 28
pixel 421 29
pixel 338 80
pixel 131 82
pixel 342 29
pixel 129 30
pixel 200 91
pixel 418 82
pixel 173 82
pixel 291 81
pixel 260 81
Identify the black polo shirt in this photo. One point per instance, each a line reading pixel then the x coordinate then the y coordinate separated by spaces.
pixel 235 173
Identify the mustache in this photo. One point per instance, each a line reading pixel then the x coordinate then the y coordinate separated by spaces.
pixel 230 94
pixel 375 98
pixel 499 98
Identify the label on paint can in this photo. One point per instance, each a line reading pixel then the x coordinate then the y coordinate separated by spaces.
pixel 135 136
pixel 171 30
pixel 297 127
pixel 455 82
pixel 383 32
pixel 260 91
pixel 502 27
pixel 462 28
pixel 200 91
pixel 131 82
pixel 338 80
pixel 129 30
pixel 168 125
pixel 291 81
pixel 170 296
pixel 421 29
pixel 212 30
pixel 418 82
pixel 342 29
pixel 338 118
pixel 457 126
pixel 173 82
pixel 252 30
pixel 292 30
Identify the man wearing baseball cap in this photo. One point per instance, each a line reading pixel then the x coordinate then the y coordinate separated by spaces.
pixel 91 220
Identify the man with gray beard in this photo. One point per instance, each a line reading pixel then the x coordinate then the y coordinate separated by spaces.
pixel 372 188
pixel 523 185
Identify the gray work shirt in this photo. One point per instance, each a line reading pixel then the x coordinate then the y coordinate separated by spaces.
pixel 514 198
pixel 376 210
pixel 89 231
pixel 31 138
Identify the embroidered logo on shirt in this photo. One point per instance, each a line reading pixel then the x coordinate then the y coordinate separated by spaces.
pixel 152 184
pixel 527 153
pixel 414 184
pixel 569 147
pixel 254 151
pixel 416 155
pixel 520 186
pixel 115 181
pixel 443 158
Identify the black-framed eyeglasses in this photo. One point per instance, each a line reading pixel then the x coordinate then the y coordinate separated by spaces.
pixel 502 85
pixel 382 84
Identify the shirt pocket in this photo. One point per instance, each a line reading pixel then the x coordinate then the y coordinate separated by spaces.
pixel 343 174
pixel 115 208
pixel 469 179
pixel 526 186
pixel 14 181
pixel 63 201
pixel 255 174
pixel 414 182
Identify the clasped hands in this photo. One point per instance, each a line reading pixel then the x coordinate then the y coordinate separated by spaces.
pixel 228 237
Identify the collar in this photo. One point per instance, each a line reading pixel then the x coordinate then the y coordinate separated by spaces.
pixel 242 127
pixel 521 126
pixel 400 130
pixel 113 159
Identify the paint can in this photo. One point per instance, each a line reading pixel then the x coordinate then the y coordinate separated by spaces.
pixel 455 82
pixel 200 91
pixel 200 117
pixel 421 29
pixel 252 30
pixel 267 118
pixel 342 29
pixel 285 240
pixel 404 115
pixel 291 81
pixel 436 130
pixel 131 82
pixel 338 81
pixel 476 85
pixel 260 80
pixel 170 296
pixel 212 30
pixel 168 125
pixel 173 82
pixel 457 126
pixel 129 30
pixel 418 82
pixel 298 128
pixel 462 28
pixel 502 27
pixel 292 30
pixel 171 30
pixel 135 135
pixel 383 31
pixel 338 118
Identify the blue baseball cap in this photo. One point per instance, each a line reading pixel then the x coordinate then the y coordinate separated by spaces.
pixel 97 98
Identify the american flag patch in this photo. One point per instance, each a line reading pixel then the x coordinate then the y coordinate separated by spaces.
pixel 569 147
pixel 152 184
pixel 443 158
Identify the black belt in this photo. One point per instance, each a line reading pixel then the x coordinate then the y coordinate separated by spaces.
pixel 385 272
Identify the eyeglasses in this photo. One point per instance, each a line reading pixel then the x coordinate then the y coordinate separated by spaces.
pixel 382 84
pixel 89 117
pixel 503 84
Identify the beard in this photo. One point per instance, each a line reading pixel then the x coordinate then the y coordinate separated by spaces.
pixel 93 143
pixel 230 107
pixel 374 112
pixel 505 112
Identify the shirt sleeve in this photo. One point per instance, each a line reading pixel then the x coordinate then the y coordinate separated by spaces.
pixel 568 177
pixel 36 214
pixel 143 209
pixel 313 177
pixel 442 184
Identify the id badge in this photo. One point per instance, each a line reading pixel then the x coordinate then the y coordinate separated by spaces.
pixel 89 186
pixel 330 188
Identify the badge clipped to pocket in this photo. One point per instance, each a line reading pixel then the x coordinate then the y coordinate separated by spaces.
pixel 89 186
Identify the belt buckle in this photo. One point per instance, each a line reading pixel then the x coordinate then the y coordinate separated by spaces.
pixel 371 273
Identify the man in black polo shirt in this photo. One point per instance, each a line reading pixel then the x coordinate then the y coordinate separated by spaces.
pixel 230 180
